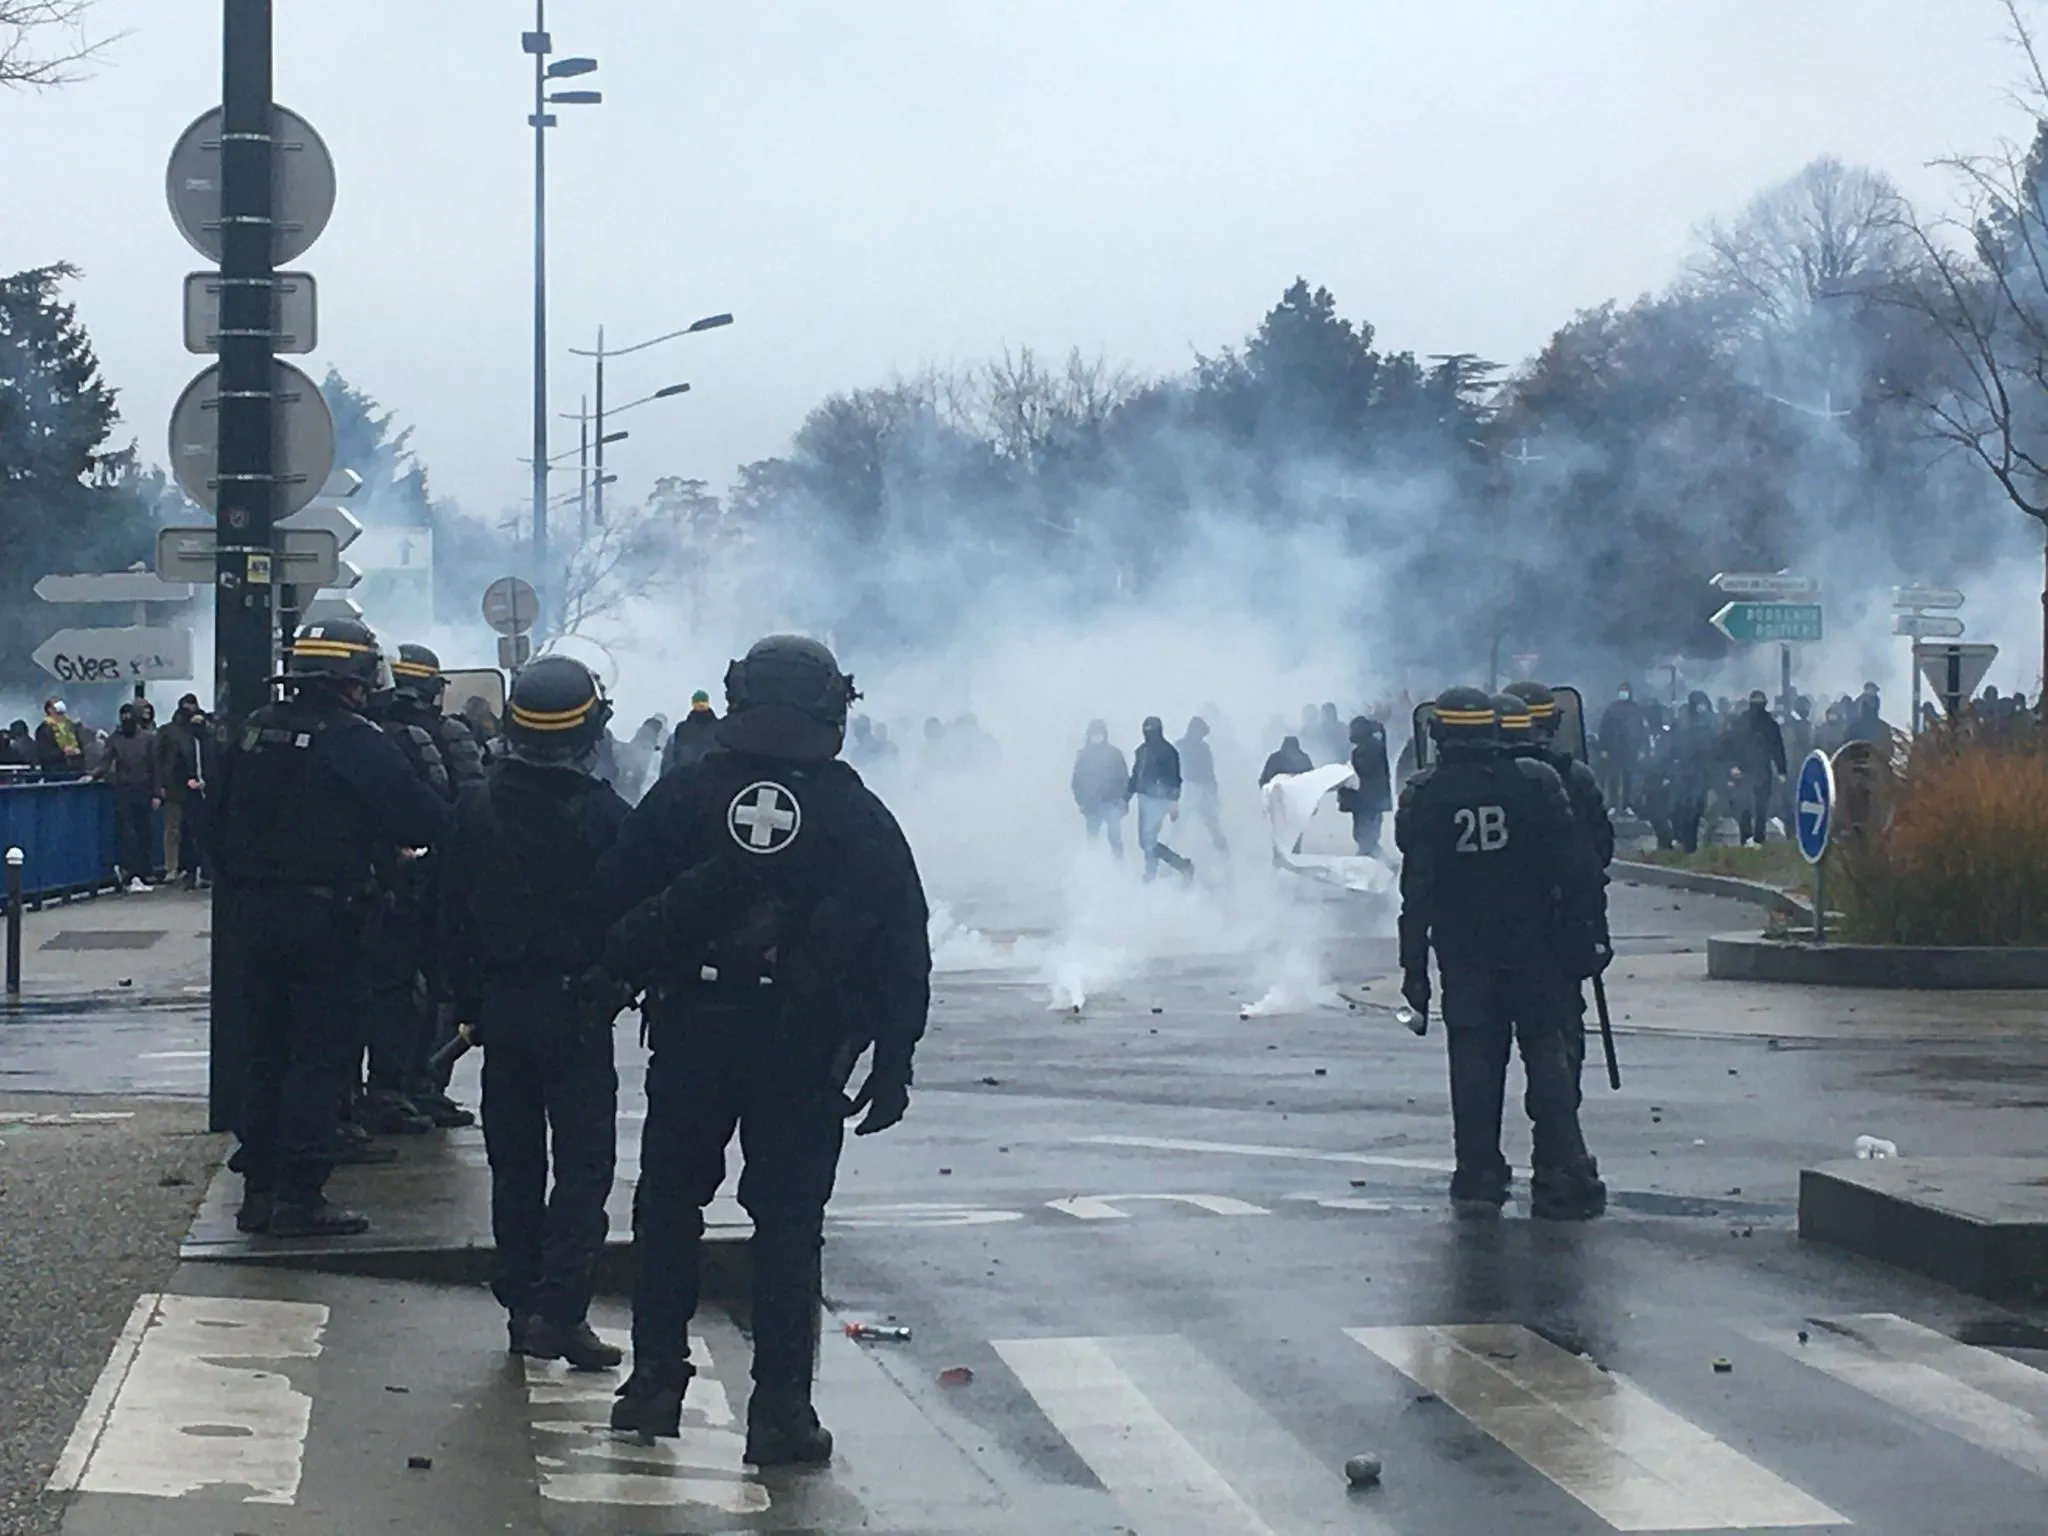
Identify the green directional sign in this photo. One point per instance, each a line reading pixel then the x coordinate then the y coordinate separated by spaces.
pixel 1769 621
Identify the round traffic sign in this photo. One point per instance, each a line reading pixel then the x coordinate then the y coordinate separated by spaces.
pixel 1813 805
pixel 302 438
pixel 302 185
pixel 511 605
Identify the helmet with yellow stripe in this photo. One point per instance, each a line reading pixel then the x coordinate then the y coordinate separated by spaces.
pixel 1542 705
pixel 556 711
pixel 1464 717
pixel 418 671
pixel 334 650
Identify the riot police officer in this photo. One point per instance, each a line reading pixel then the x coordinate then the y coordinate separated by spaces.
pixel 1581 784
pixel 1496 882
pixel 776 909
pixel 523 930
pixel 417 686
pixel 303 797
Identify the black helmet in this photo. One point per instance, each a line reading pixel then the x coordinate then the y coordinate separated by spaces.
pixel 786 698
pixel 1464 717
pixel 1542 705
pixel 1513 719
pixel 556 711
pixel 418 672
pixel 335 650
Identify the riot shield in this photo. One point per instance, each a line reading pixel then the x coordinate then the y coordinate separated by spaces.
pixel 477 694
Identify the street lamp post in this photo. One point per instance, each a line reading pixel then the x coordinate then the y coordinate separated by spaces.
pixel 707 323
pixel 540 45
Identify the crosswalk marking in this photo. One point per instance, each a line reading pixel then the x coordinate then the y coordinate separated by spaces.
pixel 583 1461
pixel 1105 1207
pixel 1292 1154
pixel 1162 1482
pixel 1615 1449
pixel 183 1404
pixel 1994 1403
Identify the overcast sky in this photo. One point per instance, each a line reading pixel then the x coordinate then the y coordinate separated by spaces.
pixel 872 186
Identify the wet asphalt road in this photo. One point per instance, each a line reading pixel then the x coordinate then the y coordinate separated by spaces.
pixel 1191 1262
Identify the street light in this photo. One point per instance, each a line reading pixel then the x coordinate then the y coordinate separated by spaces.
pixel 538 44
pixel 586 417
pixel 601 352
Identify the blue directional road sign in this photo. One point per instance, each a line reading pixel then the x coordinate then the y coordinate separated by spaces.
pixel 1813 805
pixel 1769 621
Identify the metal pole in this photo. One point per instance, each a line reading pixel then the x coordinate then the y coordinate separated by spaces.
pixel 1914 652
pixel 597 496
pixel 242 529
pixel 1820 900
pixel 540 310
pixel 14 859
pixel 1785 680
pixel 583 468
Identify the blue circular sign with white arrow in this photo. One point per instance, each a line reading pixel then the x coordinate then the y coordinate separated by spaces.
pixel 1813 805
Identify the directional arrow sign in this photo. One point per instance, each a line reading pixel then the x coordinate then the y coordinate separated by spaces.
pixel 1928 626
pixel 1926 597
pixel 1740 584
pixel 113 587
pixel 1769 621
pixel 307 557
pixel 131 655
pixel 1814 805
pixel 345 576
pixel 341 485
pixel 327 518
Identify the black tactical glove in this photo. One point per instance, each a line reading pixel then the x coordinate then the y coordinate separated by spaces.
pixel 885 1096
pixel 1592 952
pixel 1415 988
pixel 600 998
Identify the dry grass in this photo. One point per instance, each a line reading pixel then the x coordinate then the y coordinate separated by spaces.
pixel 1961 858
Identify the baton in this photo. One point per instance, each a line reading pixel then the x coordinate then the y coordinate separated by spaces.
pixel 1606 1033
pixel 464 1038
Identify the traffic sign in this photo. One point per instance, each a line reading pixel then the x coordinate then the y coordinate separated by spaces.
pixel 1525 663
pixel 306 557
pixel 328 518
pixel 514 651
pixel 302 185
pixel 302 439
pixel 1926 597
pixel 1954 671
pixel 385 547
pixel 130 655
pixel 1769 621
pixel 294 312
pixel 511 605
pixel 321 609
pixel 345 577
pixel 1927 626
pixel 1813 802
pixel 113 587
pixel 1777 587
pixel 341 485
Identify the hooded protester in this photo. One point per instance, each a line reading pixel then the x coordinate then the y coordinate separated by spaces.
pixel 1289 759
pixel 131 769
pixel 1369 803
pixel 1156 785
pixel 180 770
pixel 695 734
pixel 1102 787
pixel 1624 743
pixel 1198 775
pixel 1331 742
pixel 1757 746
pixel 1695 755
pixel 59 746
pixel 18 747
pixel 1866 721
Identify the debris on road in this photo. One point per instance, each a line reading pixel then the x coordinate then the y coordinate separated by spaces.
pixel 419 1463
pixel 1723 1366
pixel 956 1376
pixel 1870 1148
pixel 885 1333
pixel 1362 1470
pixel 991 1082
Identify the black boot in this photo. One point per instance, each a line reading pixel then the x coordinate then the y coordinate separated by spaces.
pixel 387 1112
pixel 315 1218
pixel 579 1345
pixel 651 1401
pixel 254 1215
pixel 516 1326
pixel 1573 1193
pixel 1480 1193
pixel 352 1144
pixel 783 1430
pixel 446 1114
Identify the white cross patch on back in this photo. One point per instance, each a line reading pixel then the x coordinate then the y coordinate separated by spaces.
pixel 764 817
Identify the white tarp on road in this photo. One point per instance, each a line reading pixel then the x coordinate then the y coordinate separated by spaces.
pixel 1291 802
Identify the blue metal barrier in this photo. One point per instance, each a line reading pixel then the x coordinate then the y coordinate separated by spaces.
pixel 65 830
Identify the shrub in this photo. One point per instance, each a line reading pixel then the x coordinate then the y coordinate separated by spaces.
pixel 1955 854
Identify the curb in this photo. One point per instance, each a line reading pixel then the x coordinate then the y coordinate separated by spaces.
pixel 1893 967
pixel 1932 1218
pixel 1755 892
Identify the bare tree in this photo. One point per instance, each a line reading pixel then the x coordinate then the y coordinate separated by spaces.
pixel 1023 408
pixel 1830 232
pixel 45 43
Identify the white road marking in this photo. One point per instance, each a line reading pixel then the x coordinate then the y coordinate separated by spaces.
pixel 1104 1207
pixel 75 1117
pixel 1994 1403
pixel 921 1213
pixel 178 1418
pixel 92 1421
pixel 1632 1461
pixel 585 1462
pixel 173 1056
pixel 1297 1154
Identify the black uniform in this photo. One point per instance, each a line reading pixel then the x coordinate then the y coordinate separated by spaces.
pixel 1496 881
pixel 522 927
pixel 302 800
pixel 400 1015
pixel 782 910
